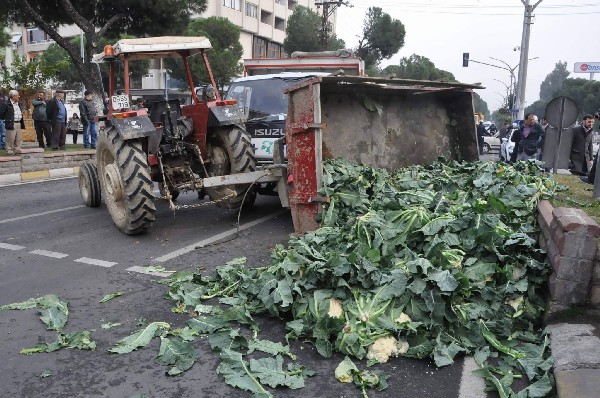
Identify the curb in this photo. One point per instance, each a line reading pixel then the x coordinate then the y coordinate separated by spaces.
pixel 7 179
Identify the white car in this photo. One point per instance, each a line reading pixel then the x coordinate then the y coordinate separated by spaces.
pixel 491 143
pixel 507 146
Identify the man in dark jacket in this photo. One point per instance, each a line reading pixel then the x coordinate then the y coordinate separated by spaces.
pixel 582 153
pixel 40 120
pixel 57 114
pixel 88 119
pixel 481 133
pixel 3 98
pixel 527 139
pixel 10 112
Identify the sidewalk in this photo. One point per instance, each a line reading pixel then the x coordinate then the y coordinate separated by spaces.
pixel 35 164
pixel 575 343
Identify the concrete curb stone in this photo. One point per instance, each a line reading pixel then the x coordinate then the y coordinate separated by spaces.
pixel 8 179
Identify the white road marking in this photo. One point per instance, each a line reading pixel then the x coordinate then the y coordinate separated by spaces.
pixel 471 386
pixel 8 246
pixel 215 238
pixel 144 270
pixel 49 254
pixel 40 214
pixel 93 261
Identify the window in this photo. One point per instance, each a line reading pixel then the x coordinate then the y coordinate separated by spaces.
pixel 274 50
pixel 292 4
pixel 252 10
pixel 266 17
pixel 259 49
pixel 282 2
pixel 279 23
pixel 235 4
pixel 36 35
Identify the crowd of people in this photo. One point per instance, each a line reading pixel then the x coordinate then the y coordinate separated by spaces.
pixel 529 139
pixel 50 120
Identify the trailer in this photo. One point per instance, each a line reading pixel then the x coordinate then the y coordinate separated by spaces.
pixel 389 123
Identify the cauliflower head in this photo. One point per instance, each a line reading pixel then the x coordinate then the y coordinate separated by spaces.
pixel 385 347
pixel 335 308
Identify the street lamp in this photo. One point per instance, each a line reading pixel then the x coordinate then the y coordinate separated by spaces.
pixel 513 83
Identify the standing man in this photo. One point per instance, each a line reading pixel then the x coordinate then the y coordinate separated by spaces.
pixel 527 139
pixel 88 119
pixel 3 98
pixel 40 120
pixel 481 133
pixel 57 114
pixel 582 152
pixel 10 111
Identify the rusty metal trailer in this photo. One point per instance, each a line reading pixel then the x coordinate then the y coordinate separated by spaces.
pixel 389 123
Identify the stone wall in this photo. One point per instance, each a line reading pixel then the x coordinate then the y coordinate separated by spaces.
pixel 571 239
pixel 35 159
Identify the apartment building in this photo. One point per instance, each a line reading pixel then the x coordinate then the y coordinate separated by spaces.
pixel 262 22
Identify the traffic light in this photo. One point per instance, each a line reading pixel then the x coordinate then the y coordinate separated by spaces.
pixel 465 59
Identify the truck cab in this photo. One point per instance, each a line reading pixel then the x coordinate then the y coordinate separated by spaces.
pixel 260 94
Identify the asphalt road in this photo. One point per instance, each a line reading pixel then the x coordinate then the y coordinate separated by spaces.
pixel 51 244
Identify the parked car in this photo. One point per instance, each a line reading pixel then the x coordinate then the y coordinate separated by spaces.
pixel 507 146
pixel 491 143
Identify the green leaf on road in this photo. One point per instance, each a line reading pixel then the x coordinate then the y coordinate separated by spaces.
pixel 110 296
pixel 270 372
pixel 110 325
pixel 24 305
pixel 46 373
pixel 79 340
pixel 141 338
pixel 237 373
pixel 54 312
pixel 178 353
pixel 270 347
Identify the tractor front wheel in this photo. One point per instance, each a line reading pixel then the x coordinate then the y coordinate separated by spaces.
pixel 125 179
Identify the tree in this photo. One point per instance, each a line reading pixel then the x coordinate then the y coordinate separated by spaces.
pixel 585 93
pixel 98 19
pixel 553 81
pixel 26 77
pixel 382 37
pixel 419 68
pixel 480 105
pixel 66 75
pixel 4 38
pixel 224 57
pixel 302 32
pixel 537 108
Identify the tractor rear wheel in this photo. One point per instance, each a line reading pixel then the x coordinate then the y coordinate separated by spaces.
pixel 125 180
pixel 231 152
pixel 89 186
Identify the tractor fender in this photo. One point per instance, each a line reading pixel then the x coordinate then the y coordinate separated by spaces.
pixel 134 127
pixel 225 115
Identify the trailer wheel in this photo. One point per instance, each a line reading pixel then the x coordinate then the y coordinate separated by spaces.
pixel 125 180
pixel 89 186
pixel 231 152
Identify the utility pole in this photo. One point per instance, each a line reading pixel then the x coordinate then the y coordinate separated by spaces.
pixel 329 6
pixel 522 79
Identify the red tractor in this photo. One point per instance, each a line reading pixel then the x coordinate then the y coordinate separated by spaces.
pixel 176 146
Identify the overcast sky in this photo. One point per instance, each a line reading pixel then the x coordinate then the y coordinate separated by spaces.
pixel 441 30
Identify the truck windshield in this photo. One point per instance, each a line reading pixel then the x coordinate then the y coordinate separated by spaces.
pixel 260 99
